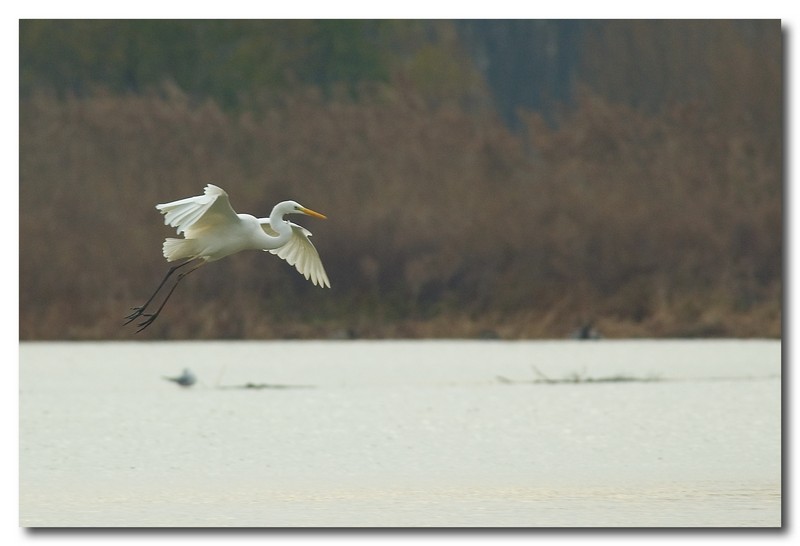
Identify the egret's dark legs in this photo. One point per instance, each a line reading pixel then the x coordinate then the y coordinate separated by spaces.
pixel 151 317
pixel 138 311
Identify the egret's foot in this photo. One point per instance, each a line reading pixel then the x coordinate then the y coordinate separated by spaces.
pixel 144 324
pixel 137 312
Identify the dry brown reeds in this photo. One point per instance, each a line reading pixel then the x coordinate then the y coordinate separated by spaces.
pixel 442 223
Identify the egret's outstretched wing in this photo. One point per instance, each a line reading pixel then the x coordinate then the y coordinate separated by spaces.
pixel 300 253
pixel 199 212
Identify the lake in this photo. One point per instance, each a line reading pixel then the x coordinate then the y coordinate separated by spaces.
pixel 401 434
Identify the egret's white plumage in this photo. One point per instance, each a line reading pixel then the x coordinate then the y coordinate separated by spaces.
pixel 212 230
pixel 299 252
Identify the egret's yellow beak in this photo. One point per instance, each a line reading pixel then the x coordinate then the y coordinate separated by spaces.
pixel 313 213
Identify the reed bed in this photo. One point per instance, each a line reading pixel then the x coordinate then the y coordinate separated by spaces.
pixel 442 221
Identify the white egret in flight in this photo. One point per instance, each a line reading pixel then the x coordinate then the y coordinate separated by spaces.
pixel 212 230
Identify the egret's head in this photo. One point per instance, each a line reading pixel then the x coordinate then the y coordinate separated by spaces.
pixel 293 207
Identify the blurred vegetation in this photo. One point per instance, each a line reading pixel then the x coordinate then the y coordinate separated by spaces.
pixel 627 173
pixel 237 63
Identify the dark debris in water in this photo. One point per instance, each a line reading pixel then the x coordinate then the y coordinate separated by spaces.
pixel 577 378
pixel 260 386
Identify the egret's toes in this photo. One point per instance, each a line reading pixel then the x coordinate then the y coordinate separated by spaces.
pixel 144 324
pixel 137 312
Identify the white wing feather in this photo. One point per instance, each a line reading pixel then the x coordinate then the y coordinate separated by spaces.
pixel 300 253
pixel 199 212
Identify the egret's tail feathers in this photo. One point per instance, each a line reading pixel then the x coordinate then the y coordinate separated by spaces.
pixel 179 249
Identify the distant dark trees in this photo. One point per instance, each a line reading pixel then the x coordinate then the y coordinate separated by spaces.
pixel 525 64
pixel 229 60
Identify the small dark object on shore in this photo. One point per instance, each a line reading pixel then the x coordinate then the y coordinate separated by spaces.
pixel 587 331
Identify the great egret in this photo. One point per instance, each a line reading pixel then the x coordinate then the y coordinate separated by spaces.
pixel 212 230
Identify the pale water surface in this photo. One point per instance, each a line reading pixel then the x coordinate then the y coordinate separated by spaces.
pixel 436 433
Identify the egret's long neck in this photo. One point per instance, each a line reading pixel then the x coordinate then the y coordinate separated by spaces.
pixel 280 225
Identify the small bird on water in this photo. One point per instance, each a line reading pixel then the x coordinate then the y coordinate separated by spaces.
pixel 186 379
